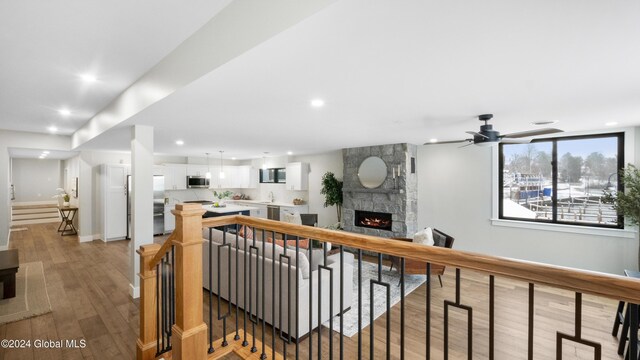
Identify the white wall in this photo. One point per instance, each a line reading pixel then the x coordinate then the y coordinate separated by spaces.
pixel 35 179
pixel 455 195
pixel 319 164
pixel 19 139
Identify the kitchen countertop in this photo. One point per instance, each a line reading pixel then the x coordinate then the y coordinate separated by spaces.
pixel 261 202
pixel 227 209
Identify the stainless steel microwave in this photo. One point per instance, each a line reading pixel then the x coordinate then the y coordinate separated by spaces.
pixel 194 182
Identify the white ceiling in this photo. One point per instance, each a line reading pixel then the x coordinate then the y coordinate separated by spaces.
pixel 408 71
pixel 24 153
pixel 47 45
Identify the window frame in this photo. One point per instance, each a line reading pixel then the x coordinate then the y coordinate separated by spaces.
pixel 554 166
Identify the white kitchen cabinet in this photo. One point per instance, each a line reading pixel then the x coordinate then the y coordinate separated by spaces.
pixel 246 177
pixel 197 170
pixel 169 219
pixel 297 176
pixel 261 212
pixel 175 177
pixel 114 201
pixel 293 209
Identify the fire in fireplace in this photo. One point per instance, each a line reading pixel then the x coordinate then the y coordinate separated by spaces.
pixel 374 220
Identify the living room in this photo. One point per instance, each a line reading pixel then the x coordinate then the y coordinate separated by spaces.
pixel 306 83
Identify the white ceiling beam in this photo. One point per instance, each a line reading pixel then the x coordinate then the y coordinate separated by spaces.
pixel 239 27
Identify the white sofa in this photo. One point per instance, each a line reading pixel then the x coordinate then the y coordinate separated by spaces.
pixel 301 280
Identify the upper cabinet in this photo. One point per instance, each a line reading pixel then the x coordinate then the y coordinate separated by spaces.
pixel 197 170
pixel 297 176
pixel 175 177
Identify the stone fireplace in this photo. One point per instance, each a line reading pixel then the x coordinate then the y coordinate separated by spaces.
pixel 389 210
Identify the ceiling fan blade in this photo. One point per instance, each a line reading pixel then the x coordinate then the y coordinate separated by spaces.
pixel 447 142
pixel 515 141
pixel 476 134
pixel 532 133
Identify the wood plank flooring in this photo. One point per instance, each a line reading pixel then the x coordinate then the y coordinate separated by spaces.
pixel 88 288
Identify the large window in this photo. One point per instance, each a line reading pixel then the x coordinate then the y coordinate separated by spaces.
pixel 561 180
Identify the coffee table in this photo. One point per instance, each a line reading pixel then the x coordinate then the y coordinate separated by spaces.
pixel 8 269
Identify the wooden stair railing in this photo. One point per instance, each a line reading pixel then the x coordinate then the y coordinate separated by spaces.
pixel 190 331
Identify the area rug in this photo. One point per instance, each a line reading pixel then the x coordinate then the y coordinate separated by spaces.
pixel 31 297
pixel 370 272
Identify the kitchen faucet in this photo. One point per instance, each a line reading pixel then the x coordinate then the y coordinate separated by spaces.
pixel 271 197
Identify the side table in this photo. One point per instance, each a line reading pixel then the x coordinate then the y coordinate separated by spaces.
pixel 68 213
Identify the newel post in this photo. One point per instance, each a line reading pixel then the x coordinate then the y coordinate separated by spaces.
pixel 190 342
pixel 146 343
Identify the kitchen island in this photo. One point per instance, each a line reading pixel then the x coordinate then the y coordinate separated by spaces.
pixel 213 211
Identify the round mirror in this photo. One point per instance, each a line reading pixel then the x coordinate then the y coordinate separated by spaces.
pixel 372 172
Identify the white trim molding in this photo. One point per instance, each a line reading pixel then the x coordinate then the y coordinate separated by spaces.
pixel 134 291
pixel 575 229
pixel 27 203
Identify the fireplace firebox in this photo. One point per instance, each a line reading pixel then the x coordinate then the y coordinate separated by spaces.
pixel 374 220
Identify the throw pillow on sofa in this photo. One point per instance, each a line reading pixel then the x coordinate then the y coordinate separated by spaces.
pixel 424 237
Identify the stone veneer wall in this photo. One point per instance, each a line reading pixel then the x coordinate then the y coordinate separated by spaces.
pixel 398 197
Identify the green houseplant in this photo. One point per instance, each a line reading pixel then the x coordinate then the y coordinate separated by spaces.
pixel 627 202
pixel 332 191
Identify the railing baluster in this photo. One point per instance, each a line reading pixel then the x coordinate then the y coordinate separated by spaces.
pixel 359 303
pixel 633 332
pixel 211 349
pixel 237 301
pixel 158 323
pixel 273 294
pixel 330 270
pixel 163 302
pixel 298 276
pixel 428 314
pixel 244 288
pixel 372 314
pixel 263 355
pixel 402 265
pixel 459 305
pixel 311 299
pixel 491 316
pixel 531 316
pixel 577 337
pixel 341 302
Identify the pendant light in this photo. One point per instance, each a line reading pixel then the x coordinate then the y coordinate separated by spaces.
pixel 208 173
pixel 221 166
pixel 264 161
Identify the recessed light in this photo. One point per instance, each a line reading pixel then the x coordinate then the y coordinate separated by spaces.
pixel 434 140
pixel 46 152
pixel 41 157
pixel 88 78
pixel 233 158
pixel 289 152
pixel 611 123
pixel 64 112
pixel 548 122
pixel 317 103
pixel 52 129
pixel 179 142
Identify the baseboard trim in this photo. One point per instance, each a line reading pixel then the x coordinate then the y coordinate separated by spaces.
pixel 134 291
pixel 26 203
pixel 85 238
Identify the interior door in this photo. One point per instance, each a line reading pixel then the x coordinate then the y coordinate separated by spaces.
pixel 116 202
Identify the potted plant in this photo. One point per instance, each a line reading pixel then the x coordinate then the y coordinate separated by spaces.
pixel 332 191
pixel 221 195
pixel 62 196
pixel 627 202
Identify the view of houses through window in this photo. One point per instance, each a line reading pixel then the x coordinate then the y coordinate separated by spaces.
pixel 561 180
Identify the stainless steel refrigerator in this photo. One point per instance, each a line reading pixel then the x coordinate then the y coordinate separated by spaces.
pixel 158 205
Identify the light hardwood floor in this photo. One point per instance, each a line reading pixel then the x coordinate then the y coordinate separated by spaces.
pixel 88 287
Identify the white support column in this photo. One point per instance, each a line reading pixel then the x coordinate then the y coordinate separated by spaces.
pixel 5 202
pixel 85 198
pixel 142 200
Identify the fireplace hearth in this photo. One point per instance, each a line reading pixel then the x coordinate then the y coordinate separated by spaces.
pixel 373 220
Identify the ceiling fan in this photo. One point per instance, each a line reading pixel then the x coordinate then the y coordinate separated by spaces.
pixel 487 136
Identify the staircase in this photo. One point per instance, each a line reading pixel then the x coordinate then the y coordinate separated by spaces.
pixel 34 214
